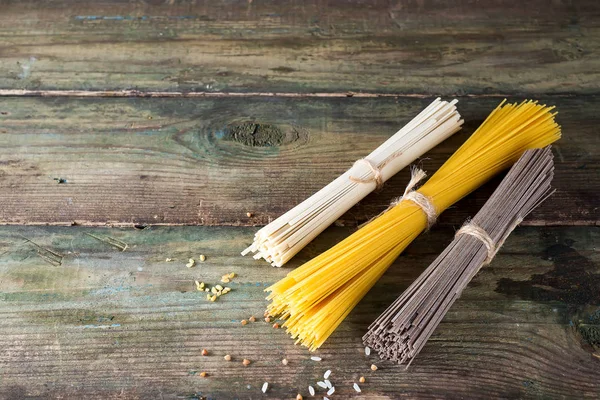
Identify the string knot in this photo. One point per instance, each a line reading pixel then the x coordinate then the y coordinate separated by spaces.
pixel 480 233
pixel 375 177
pixel 418 198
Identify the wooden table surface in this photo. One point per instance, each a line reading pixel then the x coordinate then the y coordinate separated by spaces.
pixel 162 123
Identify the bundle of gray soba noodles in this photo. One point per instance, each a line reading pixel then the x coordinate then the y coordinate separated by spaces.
pixel 402 330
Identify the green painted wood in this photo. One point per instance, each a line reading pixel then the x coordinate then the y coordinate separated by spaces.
pixel 430 47
pixel 210 161
pixel 112 324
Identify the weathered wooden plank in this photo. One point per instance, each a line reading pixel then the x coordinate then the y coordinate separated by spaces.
pixel 114 324
pixel 432 47
pixel 210 161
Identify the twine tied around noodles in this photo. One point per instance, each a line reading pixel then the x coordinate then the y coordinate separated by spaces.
pixel 376 175
pixel 424 202
pixel 476 231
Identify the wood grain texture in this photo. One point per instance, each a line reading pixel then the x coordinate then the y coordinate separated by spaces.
pixel 459 47
pixel 112 324
pixel 210 161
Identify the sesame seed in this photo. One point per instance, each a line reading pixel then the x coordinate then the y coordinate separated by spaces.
pixel 213 298
pixel 329 385
pixel 367 351
pixel 326 374
pixel 322 384
pixel 311 390
pixel 284 361
pixel 265 387
pixel 373 367
pixel 244 322
pixel 315 358
pixel 362 379
pixel 204 352
pixel 227 357
pixel 202 257
pixel 356 387
pixel 246 362
pixel 190 263
pixel 330 391
pixel 219 287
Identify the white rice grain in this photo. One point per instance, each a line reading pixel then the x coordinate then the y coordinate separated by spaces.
pixel 322 384
pixel 311 390
pixel 326 374
pixel 367 351
pixel 331 391
pixel 329 385
pixel 265 387
pixel 356 387
pixel 315 358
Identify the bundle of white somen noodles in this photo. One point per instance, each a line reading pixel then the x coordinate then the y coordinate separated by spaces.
pixel 279 241
pixel 402 330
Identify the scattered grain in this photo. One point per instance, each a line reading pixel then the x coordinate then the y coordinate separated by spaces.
pixel 249 214
pixel 251 319
pixel 367 351
pixel 265 387
pixel 204 352
pixel 322 384
pixel 213 298
pixel 298 396
pixel 244 322
pixel 362 379
pixel 168 260
pixel 207 296
pixel 225 280
pixel 203 374
pixel 373 367
pixel 246 362
pixel 268 319
pixel 315 358
pixel 202 257
pixel 219 287
pixel 284 361
pixel 227 357
pixel 311 390
pixel 329 385
pixel 276 325
pixel 190 263
pixel 331 391
pixel 207 290
pixel 356 387
pixel 231 275
pixel 326 374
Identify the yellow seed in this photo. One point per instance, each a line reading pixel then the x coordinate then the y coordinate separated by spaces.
pixel 244 322
pixel 208 297
pixel 284 361
pixel 207 290
pixel 246 362
pixel 227 357
pixel 226 290
pixel 197 285
pixel 299 397
pixel 373 367
pixel 232 275
pixel 362 379
pixel 252 319
pixel 203 374
pixel 213 290
pixel 213 298
pixel 219 287
pixel 219 293
pixel 202 257
pixel 201 285
pixel 248 214
pixel 190 263
pixel 169 260
pixel 225 280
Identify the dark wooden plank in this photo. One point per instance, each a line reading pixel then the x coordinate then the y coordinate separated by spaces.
pixel 432 47
pixel 202 161
pixel 112 324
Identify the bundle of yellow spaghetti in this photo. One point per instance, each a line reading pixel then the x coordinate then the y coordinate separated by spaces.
pixel 316 297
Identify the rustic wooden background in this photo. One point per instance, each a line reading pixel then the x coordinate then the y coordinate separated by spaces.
pixel 162 123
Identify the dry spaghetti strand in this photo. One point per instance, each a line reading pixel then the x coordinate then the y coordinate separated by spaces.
pixel 316 297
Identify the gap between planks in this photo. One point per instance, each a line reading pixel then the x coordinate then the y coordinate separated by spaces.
pixel 171 94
